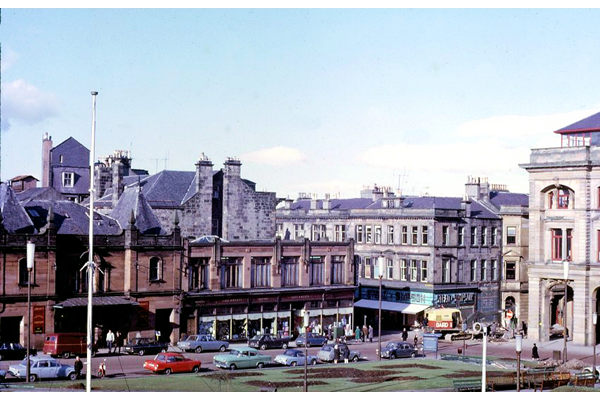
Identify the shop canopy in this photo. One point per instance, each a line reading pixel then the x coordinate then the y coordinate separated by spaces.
pixel 96 301
pixel 404 308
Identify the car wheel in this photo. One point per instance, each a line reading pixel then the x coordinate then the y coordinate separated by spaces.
pixel 72 376
pixel 222 349
pixel 198 349
pixel 33 378
pixel 260 365
pixel 284 346
pixel 294 363
pixel 307 344
pixel 313 362
pixel 1 357
pixel 263 346
pixel 233 367
pixel 392 356
pixel 66 354
pixel 141 352
pixel 355 359
pixel 413 355
pixel 195 369
pixel 168 371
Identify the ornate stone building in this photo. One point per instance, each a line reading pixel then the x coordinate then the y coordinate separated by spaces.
pixel 564 208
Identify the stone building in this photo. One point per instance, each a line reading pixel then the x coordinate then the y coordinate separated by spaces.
pixel 239 288
pixel 429 251
pixel 564 231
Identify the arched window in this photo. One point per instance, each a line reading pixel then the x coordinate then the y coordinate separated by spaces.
pixel 155 272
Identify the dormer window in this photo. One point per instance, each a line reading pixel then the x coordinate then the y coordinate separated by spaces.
pixel 576 139
pixel 68 179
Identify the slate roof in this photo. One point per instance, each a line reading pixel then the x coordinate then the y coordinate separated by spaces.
pixel 589 124
pixel 70 218
pixel 416 203
pixel 74 154
pixel 133 199
pixel 39 193
pixel 509 199
pixel 14 217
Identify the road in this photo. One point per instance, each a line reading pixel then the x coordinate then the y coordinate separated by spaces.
pixel 120 365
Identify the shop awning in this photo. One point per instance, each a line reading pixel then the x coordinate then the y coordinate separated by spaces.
pixel 404 308
pixel 96 302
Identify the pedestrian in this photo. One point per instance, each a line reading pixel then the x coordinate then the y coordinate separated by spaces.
pixel 404 335
pixel 365 333
pixel 357 333
pixel 524 329
pixel 534 353
pixel 416 340
pixel 118 342
pixel 346 354
pixel 371 334
pixel 110 339
pixel 78 367
pixel 336 354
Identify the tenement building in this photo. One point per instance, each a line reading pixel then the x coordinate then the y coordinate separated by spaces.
pixel 564 232
pixel 427 251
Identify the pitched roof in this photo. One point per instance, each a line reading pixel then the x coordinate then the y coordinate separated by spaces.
pixel 70 218
pixel 39 193
pixel 14 217
pixel 509 199
pixel 75 154
pixel 589 124
pixel 134 200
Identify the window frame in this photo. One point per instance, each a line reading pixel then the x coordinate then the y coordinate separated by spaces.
pixel 155 269
pixel 390 234
pixel 424 235
pixel 337 270
pixel 68 179
pixel 289 271
pixel 260 272
pixel 423 277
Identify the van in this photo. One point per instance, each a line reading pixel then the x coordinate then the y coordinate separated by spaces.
pixel 67 344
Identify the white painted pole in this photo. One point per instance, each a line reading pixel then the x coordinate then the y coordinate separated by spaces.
pixel 484 358
pixel 88 375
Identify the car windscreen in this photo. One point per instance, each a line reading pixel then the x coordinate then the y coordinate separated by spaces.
pixel 257 337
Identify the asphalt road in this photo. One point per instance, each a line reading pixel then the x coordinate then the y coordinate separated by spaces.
pixel 120 365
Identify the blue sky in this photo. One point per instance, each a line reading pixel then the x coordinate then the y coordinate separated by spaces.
pixel 310 100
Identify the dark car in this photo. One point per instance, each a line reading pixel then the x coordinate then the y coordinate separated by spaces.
pixel 398 350
pixel 269 342
pixel 14 351
pixel 313 340
pixel 143 346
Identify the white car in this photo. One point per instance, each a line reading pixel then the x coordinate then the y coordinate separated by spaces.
pixel 293 357
pixel 42 367
pixel 589 369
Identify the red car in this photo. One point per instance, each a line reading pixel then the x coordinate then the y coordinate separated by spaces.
pixel 172 362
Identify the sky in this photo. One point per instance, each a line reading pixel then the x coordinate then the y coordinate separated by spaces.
pixel 310 100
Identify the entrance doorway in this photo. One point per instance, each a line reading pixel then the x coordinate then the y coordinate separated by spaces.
pixel 10 330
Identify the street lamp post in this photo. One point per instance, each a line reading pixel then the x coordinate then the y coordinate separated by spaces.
pixel 565 332
pixel 594 321
pixel 30 262
pixel 518 348
pixel 306 315
pixel 381 262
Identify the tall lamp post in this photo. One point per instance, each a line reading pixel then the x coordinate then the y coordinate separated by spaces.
pixel 30 262
pixel 565 332
pixel 381 262
pixel 518 348
pixel 306 315
pixel 594 321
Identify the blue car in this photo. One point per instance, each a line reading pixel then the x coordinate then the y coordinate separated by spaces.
pixel 313 340
pixel 293 357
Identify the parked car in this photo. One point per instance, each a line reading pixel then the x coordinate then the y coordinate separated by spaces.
pixel 200 343
pixel 313 340
pixel 241 357
pixel 557 330
pixel 42 367
pixel 264 342
pixel 398 350
pixel 143 346
pixel 14 351
pixel 589 369
pixel 2 374
pixel 293 357
pixel 326 354
pixel 172 362
pixel 66 344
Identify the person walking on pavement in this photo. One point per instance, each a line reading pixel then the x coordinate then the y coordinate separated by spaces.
pixel 78 367
pixel 110 338
pixel 345 354
pixel 336 354
pixel 357 333
pixel 404 335
pixel 365 333
pixel 534 353
pixel 371 334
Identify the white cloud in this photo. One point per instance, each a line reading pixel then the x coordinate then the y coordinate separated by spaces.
pixel 22 101
pixel 9 57
pixel 275 156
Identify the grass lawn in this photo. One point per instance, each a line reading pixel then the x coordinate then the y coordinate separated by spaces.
pixel 385 376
